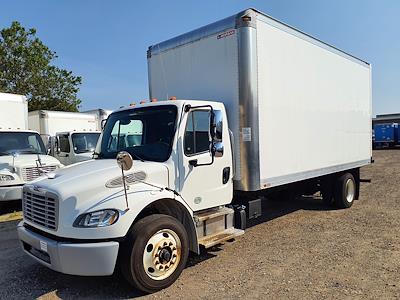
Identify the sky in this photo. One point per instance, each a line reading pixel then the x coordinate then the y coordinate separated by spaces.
pixel 105 42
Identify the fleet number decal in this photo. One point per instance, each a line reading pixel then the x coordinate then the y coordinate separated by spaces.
pixel 225 34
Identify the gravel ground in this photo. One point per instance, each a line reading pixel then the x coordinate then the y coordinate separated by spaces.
pixel 304 250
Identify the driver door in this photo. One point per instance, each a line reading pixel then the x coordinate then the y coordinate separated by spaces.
pixel 63 149
pixel 208 184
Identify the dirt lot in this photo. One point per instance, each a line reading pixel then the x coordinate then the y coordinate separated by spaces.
pixel 304 250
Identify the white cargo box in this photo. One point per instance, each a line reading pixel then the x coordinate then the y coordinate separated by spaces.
pixel 48 123
pixel 13 112
pixel 298 107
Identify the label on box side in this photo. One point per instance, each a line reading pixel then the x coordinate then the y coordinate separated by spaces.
pixel 246 134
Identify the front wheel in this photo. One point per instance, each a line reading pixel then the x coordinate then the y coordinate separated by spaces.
pixel 155 253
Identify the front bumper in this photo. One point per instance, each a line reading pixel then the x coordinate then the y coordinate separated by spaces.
pixel 8 193
pixel 84 259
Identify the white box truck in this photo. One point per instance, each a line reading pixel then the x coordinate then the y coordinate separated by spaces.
pixel 71 137
pixel 276 111
pixel 22 153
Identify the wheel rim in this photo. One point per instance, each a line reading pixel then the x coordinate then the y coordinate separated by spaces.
pixel 350 190
pixel 162 254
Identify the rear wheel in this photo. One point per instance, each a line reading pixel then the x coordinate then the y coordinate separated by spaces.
pixel 345 191
pixel 155 254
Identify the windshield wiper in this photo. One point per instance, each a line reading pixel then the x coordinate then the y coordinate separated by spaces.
pixel 29 152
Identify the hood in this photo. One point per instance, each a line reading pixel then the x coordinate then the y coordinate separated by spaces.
pixel 82 184
pixel 83 156
pixel 26 160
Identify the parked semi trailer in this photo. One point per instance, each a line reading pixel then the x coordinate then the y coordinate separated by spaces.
pixel 71 137
pixel 173 176
pixel 22 153
pixel 386 135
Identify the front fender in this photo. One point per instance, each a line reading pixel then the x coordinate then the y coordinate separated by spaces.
pixel 139 198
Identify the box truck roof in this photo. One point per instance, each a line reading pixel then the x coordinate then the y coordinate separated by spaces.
pixel 12 97
pixel 62 114
pixel 237 21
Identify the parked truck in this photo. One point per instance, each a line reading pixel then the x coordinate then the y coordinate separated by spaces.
pixel 173 176
pixel 70 137
pixel 22 153
pixel 386 135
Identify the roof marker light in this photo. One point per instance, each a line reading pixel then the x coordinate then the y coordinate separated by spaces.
pixel 142 101
pixel 153 100
pixel 132 104
pixel 172 98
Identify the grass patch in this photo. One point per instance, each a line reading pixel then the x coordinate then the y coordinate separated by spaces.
pixel 16 215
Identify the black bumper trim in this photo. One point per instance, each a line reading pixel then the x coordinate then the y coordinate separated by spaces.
pixel 70 240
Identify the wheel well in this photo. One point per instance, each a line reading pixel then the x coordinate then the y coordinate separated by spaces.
pixel 174 209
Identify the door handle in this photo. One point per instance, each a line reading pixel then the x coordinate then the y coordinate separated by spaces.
pixel 193 162
pixel 226 172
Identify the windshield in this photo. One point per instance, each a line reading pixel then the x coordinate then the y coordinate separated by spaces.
pixel 85 142
pixel 146 133
pixel 21 142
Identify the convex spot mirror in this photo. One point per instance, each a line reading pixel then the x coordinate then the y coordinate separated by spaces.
pixel 124 160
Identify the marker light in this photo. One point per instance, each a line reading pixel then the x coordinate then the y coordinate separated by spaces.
pixel 143 101
pixel 132 104
pixel 153 100
pixel 172 98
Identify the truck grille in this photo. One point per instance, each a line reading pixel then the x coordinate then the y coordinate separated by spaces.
pixel 40 208
pixel 31 173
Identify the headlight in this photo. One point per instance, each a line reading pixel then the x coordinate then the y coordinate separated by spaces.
pixel 4 177
pixel 99 218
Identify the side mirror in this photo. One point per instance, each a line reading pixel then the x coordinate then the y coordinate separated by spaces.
pixel 216 131
pixel 218 125
pixel 124 160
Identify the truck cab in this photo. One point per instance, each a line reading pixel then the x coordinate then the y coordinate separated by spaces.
pixel 181 177
pixel 22 159
pixel 73 147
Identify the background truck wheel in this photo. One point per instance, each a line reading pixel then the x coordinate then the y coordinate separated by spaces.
pixel 155 253
pixel 345 191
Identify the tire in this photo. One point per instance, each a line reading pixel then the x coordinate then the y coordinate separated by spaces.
pixel 155 253
pixel 345 191
pixel 327 193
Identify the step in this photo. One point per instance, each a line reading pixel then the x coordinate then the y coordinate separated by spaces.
pixel 215 239
pixel 211 214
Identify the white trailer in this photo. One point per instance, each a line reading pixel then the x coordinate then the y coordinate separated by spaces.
pixel 22 153
pixel 277 113
pixel 70 136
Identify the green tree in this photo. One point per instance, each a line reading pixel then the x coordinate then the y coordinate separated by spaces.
pixel 26 69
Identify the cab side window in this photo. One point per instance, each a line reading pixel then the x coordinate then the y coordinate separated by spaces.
pixel 64 143
pixel 197 138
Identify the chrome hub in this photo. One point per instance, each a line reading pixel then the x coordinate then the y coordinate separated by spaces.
pixel 162 254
